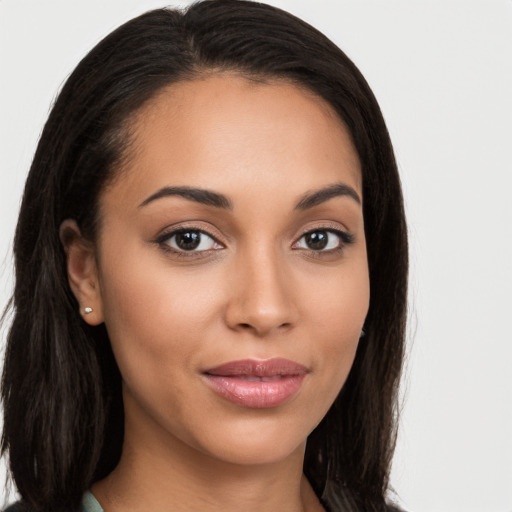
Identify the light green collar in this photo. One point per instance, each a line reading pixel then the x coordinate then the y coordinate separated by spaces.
pixel 90 503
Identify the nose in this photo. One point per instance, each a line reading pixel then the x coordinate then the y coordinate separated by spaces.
pixel 261 298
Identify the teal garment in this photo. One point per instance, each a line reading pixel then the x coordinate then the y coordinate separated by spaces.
pixel 90 503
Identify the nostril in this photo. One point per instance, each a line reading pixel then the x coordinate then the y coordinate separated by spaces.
pixel 247 326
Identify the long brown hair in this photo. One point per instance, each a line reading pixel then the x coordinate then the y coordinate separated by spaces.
pixel 61 389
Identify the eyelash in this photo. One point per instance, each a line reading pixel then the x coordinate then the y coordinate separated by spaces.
pixel 164 238
pixel 345 239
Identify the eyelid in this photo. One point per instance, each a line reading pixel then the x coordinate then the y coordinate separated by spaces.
pixel 346 238
pixel 176 229
pixel 335 227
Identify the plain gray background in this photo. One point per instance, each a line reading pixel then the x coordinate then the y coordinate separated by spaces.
pixel 442 72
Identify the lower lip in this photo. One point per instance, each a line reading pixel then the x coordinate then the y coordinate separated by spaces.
pixel 256 394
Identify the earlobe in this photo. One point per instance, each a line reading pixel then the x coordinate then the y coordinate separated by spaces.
pixel 82 272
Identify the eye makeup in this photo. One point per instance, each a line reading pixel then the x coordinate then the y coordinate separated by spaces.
pixel 192 241
pixel 321 239
pixel 188 242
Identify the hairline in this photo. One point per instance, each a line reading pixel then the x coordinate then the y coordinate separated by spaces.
pixel 126 128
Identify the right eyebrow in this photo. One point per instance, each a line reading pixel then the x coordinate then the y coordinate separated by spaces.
pixel 199 195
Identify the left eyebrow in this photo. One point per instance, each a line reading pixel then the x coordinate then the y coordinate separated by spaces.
pixel 317 197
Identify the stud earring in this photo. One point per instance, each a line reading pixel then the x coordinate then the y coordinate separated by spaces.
pixel 87 310
pixel 363 333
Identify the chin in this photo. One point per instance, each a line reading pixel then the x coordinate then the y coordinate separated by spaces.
pixel 251 454
pixel 255 443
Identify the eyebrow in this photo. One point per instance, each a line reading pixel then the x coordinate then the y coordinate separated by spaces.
pixel 324 194
pixel 198 195
pixel 210 198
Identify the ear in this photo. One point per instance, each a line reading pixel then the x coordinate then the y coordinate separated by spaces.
pixel 82 272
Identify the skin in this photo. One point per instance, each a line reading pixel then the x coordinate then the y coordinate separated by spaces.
pixel 256 291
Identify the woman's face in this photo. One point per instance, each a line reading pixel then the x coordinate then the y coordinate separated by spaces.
pixel 232 269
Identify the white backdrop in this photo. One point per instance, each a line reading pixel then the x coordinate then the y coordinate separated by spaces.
pixel 442 72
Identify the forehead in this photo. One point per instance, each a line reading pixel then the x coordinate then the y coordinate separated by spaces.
pixel 225 130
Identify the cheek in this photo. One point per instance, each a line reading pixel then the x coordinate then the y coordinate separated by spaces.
pixel 154 313
pixel 338 311
pixel 339 301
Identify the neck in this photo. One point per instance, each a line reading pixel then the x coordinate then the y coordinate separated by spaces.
pixel 171 475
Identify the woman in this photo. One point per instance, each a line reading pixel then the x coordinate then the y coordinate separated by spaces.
pixel 212 215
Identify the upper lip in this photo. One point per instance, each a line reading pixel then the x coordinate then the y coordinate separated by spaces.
pixel 258 368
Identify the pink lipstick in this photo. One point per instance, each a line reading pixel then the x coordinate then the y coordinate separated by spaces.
pixel 257 384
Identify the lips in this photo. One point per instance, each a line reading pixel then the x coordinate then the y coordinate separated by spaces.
pixel 257 384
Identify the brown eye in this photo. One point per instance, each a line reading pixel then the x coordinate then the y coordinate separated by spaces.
pixel 323 240
pixel 317 240
pixel 189 240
